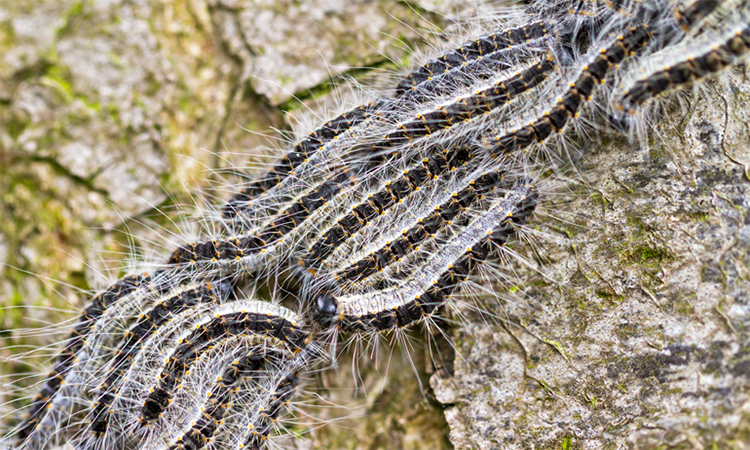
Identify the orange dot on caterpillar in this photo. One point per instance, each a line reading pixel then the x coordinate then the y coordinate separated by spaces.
pixel 418 297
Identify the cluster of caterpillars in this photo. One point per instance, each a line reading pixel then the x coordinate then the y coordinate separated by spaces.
pixel 380 215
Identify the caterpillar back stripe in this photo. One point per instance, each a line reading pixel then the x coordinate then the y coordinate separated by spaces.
pixel 238 324
pixel 482 47
pixel 301 152
pixel 394 251
pixel 135 338
pixel 712 56
pixel 427 289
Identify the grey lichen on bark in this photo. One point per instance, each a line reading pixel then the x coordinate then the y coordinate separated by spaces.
pixel 634 332
pixel 630 328
pixel 600 345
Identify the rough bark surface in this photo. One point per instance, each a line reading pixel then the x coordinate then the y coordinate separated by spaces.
pixel 630 330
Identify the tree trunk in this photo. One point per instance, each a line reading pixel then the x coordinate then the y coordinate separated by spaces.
pixel 628 325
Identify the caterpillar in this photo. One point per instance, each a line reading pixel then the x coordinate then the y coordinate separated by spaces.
pixel 461 122
pixel 482 48
pixel 418 297
pixel 164 311
pixel 705 58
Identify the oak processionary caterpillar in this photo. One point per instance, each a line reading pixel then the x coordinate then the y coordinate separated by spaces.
pixel 381 215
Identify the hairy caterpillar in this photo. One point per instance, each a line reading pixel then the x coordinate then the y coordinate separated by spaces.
pixel 136 337
pixel 483 48
pixel 418 297
pixel 716 52
pixel 284 222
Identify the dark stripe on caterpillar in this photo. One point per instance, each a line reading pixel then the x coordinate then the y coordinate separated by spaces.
pixel 237 248
pixel 579 93
pixel 410 240
pixel 475 71
pixel 259 431
pixel 148 323
pixel 394 191
pixel 220 328
pixel 481 47
pixel 75 342
pixel 201 433
pixel 301 153
pixel 428 288
pixel 465 108
pixel 716 58
pixel 688 14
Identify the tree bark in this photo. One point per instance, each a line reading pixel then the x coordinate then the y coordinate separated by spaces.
pixel 627 326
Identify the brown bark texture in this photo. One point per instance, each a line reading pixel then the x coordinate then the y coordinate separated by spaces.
pixel 628 325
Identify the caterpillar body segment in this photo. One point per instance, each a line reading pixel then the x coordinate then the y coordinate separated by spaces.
pixel 256 411
pixel 149 322
pixel 67 356
pixel 301 152
pixel 82 355
pixel 698 60
pixel 429 287
pixel 267 249
pixel 481 47
pixel 495 46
